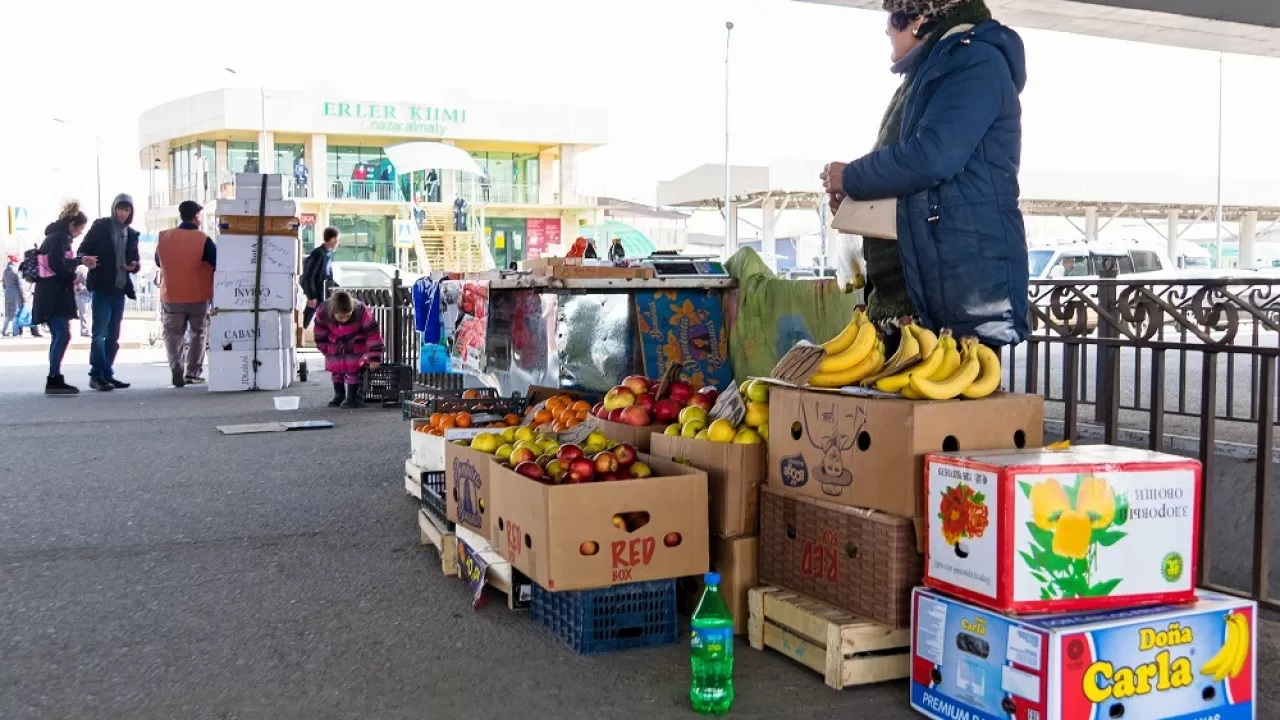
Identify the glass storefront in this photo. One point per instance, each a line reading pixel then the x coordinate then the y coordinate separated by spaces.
pixel 242 157
pixel 286 155
pixel 362 173
pixel 365 238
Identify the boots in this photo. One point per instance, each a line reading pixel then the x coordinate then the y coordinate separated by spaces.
pixel 339 395
pixel 353 397
pixel 176 377
pixel 57 385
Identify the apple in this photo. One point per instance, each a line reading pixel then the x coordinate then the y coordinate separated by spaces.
pixel 582 470
pixel 747 436
pixel 763 432
pixel 606 461
pixel 522 454
pixel 597 438
pixel 756 391
pixel 608 476
pixel 504 451
pixel 590 547
pixel 618 398
pixel 692 428
pixel 640 470
pixel 555 468
pixel 757 414
pixel 637 384
pixel 711 391
pixel 568 453
pixel 673 429
pixel 680 391
pixel 636 416
pixel 545 460
pixel 626 454
pixel 646 401
pixel 722 431
pixel 524 433
pixel 702 435
pixel 486 443
pixel 671 539
pixel 598 410
pixel 693 412
pixel 531 470
pixel 509 435
pixel 615 415
pixel 702 401
pixel 665 411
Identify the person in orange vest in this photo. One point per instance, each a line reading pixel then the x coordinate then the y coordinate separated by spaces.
pixel 186 258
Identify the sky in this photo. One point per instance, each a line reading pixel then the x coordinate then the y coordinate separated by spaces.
pixel 806 81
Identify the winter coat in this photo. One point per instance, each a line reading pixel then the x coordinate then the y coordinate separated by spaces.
pixel 315 282
pixel 99 243
pixel 955 174
pixel 11 281
pixel 55 294
pixel 351 345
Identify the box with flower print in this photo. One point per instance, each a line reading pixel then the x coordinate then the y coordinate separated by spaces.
pixel 1086 528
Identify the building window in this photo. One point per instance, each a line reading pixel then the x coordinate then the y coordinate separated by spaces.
pixel 365 238
pixel 242 157
pixel 286 155
pixel 362 173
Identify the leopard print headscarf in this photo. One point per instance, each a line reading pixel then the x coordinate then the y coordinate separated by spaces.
pixel 923 8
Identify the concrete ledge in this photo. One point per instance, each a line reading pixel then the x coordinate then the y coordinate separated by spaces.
pixel 1181 444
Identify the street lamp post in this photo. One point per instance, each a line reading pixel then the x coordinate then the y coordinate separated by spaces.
pixel 1217 215
pixel 728 213
pixel 97 162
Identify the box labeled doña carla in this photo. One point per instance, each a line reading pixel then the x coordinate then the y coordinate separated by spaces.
pixel 1087 528
pixel 1159 662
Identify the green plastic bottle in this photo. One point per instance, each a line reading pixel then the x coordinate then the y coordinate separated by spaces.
pixel 711 652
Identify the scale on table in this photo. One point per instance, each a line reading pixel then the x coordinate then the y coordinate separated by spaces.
pixel 670 264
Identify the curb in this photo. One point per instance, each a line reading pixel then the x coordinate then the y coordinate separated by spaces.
pixel 8 346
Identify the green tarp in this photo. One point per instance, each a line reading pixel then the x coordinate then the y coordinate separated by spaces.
pixel 768 315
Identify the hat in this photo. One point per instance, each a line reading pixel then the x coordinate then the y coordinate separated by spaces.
pixel 188 209
pixel 13 258
pixel 923 8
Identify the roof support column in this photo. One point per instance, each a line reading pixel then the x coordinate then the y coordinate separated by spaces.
pixel 1091 224
pixel 768 243
pixel 731 237
pixel 1248 259
pixel 1171 237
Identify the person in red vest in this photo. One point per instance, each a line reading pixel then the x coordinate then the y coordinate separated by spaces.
pixel 186 258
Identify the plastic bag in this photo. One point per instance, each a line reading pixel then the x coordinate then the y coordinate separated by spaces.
pixel 850 267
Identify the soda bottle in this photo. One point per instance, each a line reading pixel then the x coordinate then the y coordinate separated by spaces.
pixel 711 652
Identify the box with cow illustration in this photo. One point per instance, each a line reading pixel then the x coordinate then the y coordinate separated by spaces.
pixel 1159 662
pixel 869 451
pixel 597 534
pixel 1086 528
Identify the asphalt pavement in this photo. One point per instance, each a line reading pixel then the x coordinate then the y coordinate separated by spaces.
pixel 153 568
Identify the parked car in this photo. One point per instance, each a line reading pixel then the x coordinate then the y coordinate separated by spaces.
pixel 360 275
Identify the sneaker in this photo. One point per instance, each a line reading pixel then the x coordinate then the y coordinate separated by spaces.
pixel 101 385
pixel 56 385
pixel 195 380
pixel 178 380
pixel 117 384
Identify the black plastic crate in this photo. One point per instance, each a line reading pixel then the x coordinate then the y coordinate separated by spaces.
pixel 423 404
pixel 384 385
pixel 622 617
pixel 433 496
pixel 420 401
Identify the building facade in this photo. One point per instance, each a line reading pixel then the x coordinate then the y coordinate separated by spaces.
pixel 331 149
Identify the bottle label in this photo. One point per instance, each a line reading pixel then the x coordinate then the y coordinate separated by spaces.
pixel 713 641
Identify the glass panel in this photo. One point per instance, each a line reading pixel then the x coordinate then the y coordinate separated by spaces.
pixel 365 238
pixel 242 157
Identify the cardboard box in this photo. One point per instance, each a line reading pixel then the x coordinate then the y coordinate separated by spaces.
pixel 639 437
pixel 594 535
pixel 249 186
pixel 236 291
pixel 735 474
pixel 248 225
pixel 468 492
pixel 232 371
pixel 234 330
pixel 859 560
pixel 1139 664
pixel 869 452
pixel 239 253
pixel 1088 528
pixel 426 451
pixel 735 559
pixel 252 207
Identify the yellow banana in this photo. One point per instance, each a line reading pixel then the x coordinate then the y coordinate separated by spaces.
pixel 871 364
pixel 950 360
pixel 841 342
pixel 857 351
pixel 910 394
pixel 927 339
pixel 927 367
pixel 1242 644
pixel 1226 654
pixel 951 386
pixel 908 354
pixel 989 377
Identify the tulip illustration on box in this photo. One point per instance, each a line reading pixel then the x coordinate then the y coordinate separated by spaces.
pixel 1070 524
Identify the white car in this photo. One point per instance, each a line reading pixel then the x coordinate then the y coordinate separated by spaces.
pixel 353 275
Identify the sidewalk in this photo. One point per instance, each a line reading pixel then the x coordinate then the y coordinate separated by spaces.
pixel 135 334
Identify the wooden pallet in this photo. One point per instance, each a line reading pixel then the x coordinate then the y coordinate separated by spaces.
pixel 846 649
pixel 435 532
pixel 499 574
pixel 412 479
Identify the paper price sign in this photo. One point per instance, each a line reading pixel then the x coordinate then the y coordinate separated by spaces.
pixel 474 571
pixel 730 406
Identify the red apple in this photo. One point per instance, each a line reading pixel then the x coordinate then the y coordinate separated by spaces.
pixel 567 454
pixel 636 416
pixel 645 400
pixel 531 470
pixel 619 397
pixel 581 470
pixel 711 392
pixel 665 411
pixel 637 384
pixel 615 415
pixel 680 391
pixel 523 455
pixel 545 460
pixel 603 414
pixel 608 477
pixel 703 401
pixel 626 455
pixel 598 409
pixel 606 462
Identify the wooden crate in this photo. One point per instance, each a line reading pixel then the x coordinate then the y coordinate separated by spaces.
pixel 412 479
pixel 846 649
pixel 499 574
pixel 436 533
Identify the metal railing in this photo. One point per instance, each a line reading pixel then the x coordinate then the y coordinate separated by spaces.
pixel 382 190
pixel 474 191
pixel 1178 366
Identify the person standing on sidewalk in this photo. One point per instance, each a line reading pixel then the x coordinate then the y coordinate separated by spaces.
pixel 115 245
pixel 83 300
pixel 317 274
pixel 54 302
pixel 186 258
pixel 13 301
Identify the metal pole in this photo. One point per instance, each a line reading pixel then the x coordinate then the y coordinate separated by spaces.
pixel 728 216
pixel 1217 215
pixel 97 162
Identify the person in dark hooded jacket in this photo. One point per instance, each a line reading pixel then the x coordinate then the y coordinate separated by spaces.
pixel 115 244
pixel 949 151
pixel 54 302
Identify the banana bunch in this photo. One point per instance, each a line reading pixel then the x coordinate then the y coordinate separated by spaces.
pixel 856 353
pixel 1229 662
pixel 932 367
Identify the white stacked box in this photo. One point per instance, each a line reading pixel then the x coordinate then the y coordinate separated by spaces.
pixel 237 288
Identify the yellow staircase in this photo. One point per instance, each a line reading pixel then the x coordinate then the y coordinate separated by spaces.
pixel 446 249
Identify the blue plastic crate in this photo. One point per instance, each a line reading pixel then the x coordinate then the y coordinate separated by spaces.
pixel 622 617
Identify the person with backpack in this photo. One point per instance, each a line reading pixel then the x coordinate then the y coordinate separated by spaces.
pixel 12 297
pixel 115 245
pixel 54 302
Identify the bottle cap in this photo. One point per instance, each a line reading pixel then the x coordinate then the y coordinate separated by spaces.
pixel 711 578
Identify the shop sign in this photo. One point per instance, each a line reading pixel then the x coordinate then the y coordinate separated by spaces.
pixel 17 220
pixel 396 117
pixel 404 235
pixel 307 220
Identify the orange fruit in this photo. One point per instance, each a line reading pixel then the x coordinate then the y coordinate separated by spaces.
pixel 512 419
pixel 571 422
pixel 462 420
pixel 582 414
pixel 436 418
pixel 581 406
pixel 542 417
pixel 558 426
pixel 470 394
pixel 446 423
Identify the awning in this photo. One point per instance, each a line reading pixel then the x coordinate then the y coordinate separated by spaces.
pixel 414 156
pixel 636 243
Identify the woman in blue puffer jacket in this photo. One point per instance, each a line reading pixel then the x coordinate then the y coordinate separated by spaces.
pixel 949 149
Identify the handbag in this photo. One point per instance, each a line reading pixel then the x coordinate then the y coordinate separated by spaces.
pixel 868 218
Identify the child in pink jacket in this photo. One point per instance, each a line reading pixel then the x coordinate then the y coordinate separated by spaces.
pixel 347 334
